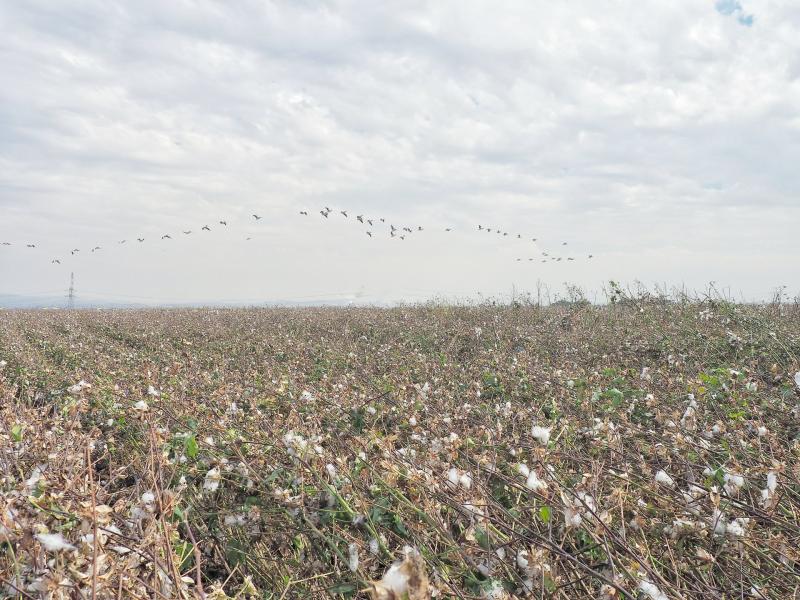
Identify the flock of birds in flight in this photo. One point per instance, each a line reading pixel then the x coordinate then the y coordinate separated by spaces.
pixel 370 224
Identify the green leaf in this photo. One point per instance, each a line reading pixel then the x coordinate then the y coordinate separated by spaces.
pixel 343 588
pixel 191 446
pixel 482 537
pixel 16 433
pixel 545 512
pixel 178 514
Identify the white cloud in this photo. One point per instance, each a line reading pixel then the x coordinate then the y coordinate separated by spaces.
pixel 660 137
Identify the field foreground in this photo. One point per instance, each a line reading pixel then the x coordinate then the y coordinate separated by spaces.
pixel 645 450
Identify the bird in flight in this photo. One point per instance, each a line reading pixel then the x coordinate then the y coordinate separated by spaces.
pixel 166 237
pixel 256 217
pixel 591 255
pixel 96 248
pixel 480 227
pixel 304 212
pixel 247 239
pixel 369 233
pixel 74 250
pixel 6 243
pixel 419 228
pixel 206 228
pixel 534 239
pixel 344 212
pixel 55 261
pixel 323 213
pixel 391 233
pixel 448 229
pixel 187 232
pixel 383 220
pixel 519 236
pixel 360 218
pixel 223 223
pixel 370 222
pixel 402 237
pixel 392 227
pixel 563 243
pixel 140 240
pixel 122 241
pixel 31 245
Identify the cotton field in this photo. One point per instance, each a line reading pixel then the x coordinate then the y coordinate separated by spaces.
pixel 643 450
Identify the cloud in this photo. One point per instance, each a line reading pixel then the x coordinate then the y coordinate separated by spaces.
pixel 658 138
pixel 731 7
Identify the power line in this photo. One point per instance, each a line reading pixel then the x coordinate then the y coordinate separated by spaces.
pixel 71 296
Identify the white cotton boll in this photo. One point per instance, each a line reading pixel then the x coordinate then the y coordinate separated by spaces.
pixel 452 476
pixel 522 560
pixel 737 527
pixel 395 580
pixel 718 522
pixel 664 479
pixel 733 483
pixel 541 434
pixel 797 379
pixel 648 588
pixel 374 547
pixel 772 481
pixel 306 396
pixel 412 421
pixel 751 386
pixel 473 510
pixel 141 406
pixel 572 518
pixel 762 431
pixel 465 481
pixel 523 469
pixel 53 542
pixel 35 478
pixel 151 391
pixel 148 498
pixel 372 410
pixel 535 484
pixel 331 470
pixel 352 557
pixel 212 480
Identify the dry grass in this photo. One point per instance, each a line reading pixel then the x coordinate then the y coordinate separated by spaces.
pixel 276 446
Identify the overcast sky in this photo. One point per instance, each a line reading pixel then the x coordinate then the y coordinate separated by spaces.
pixel 661 137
